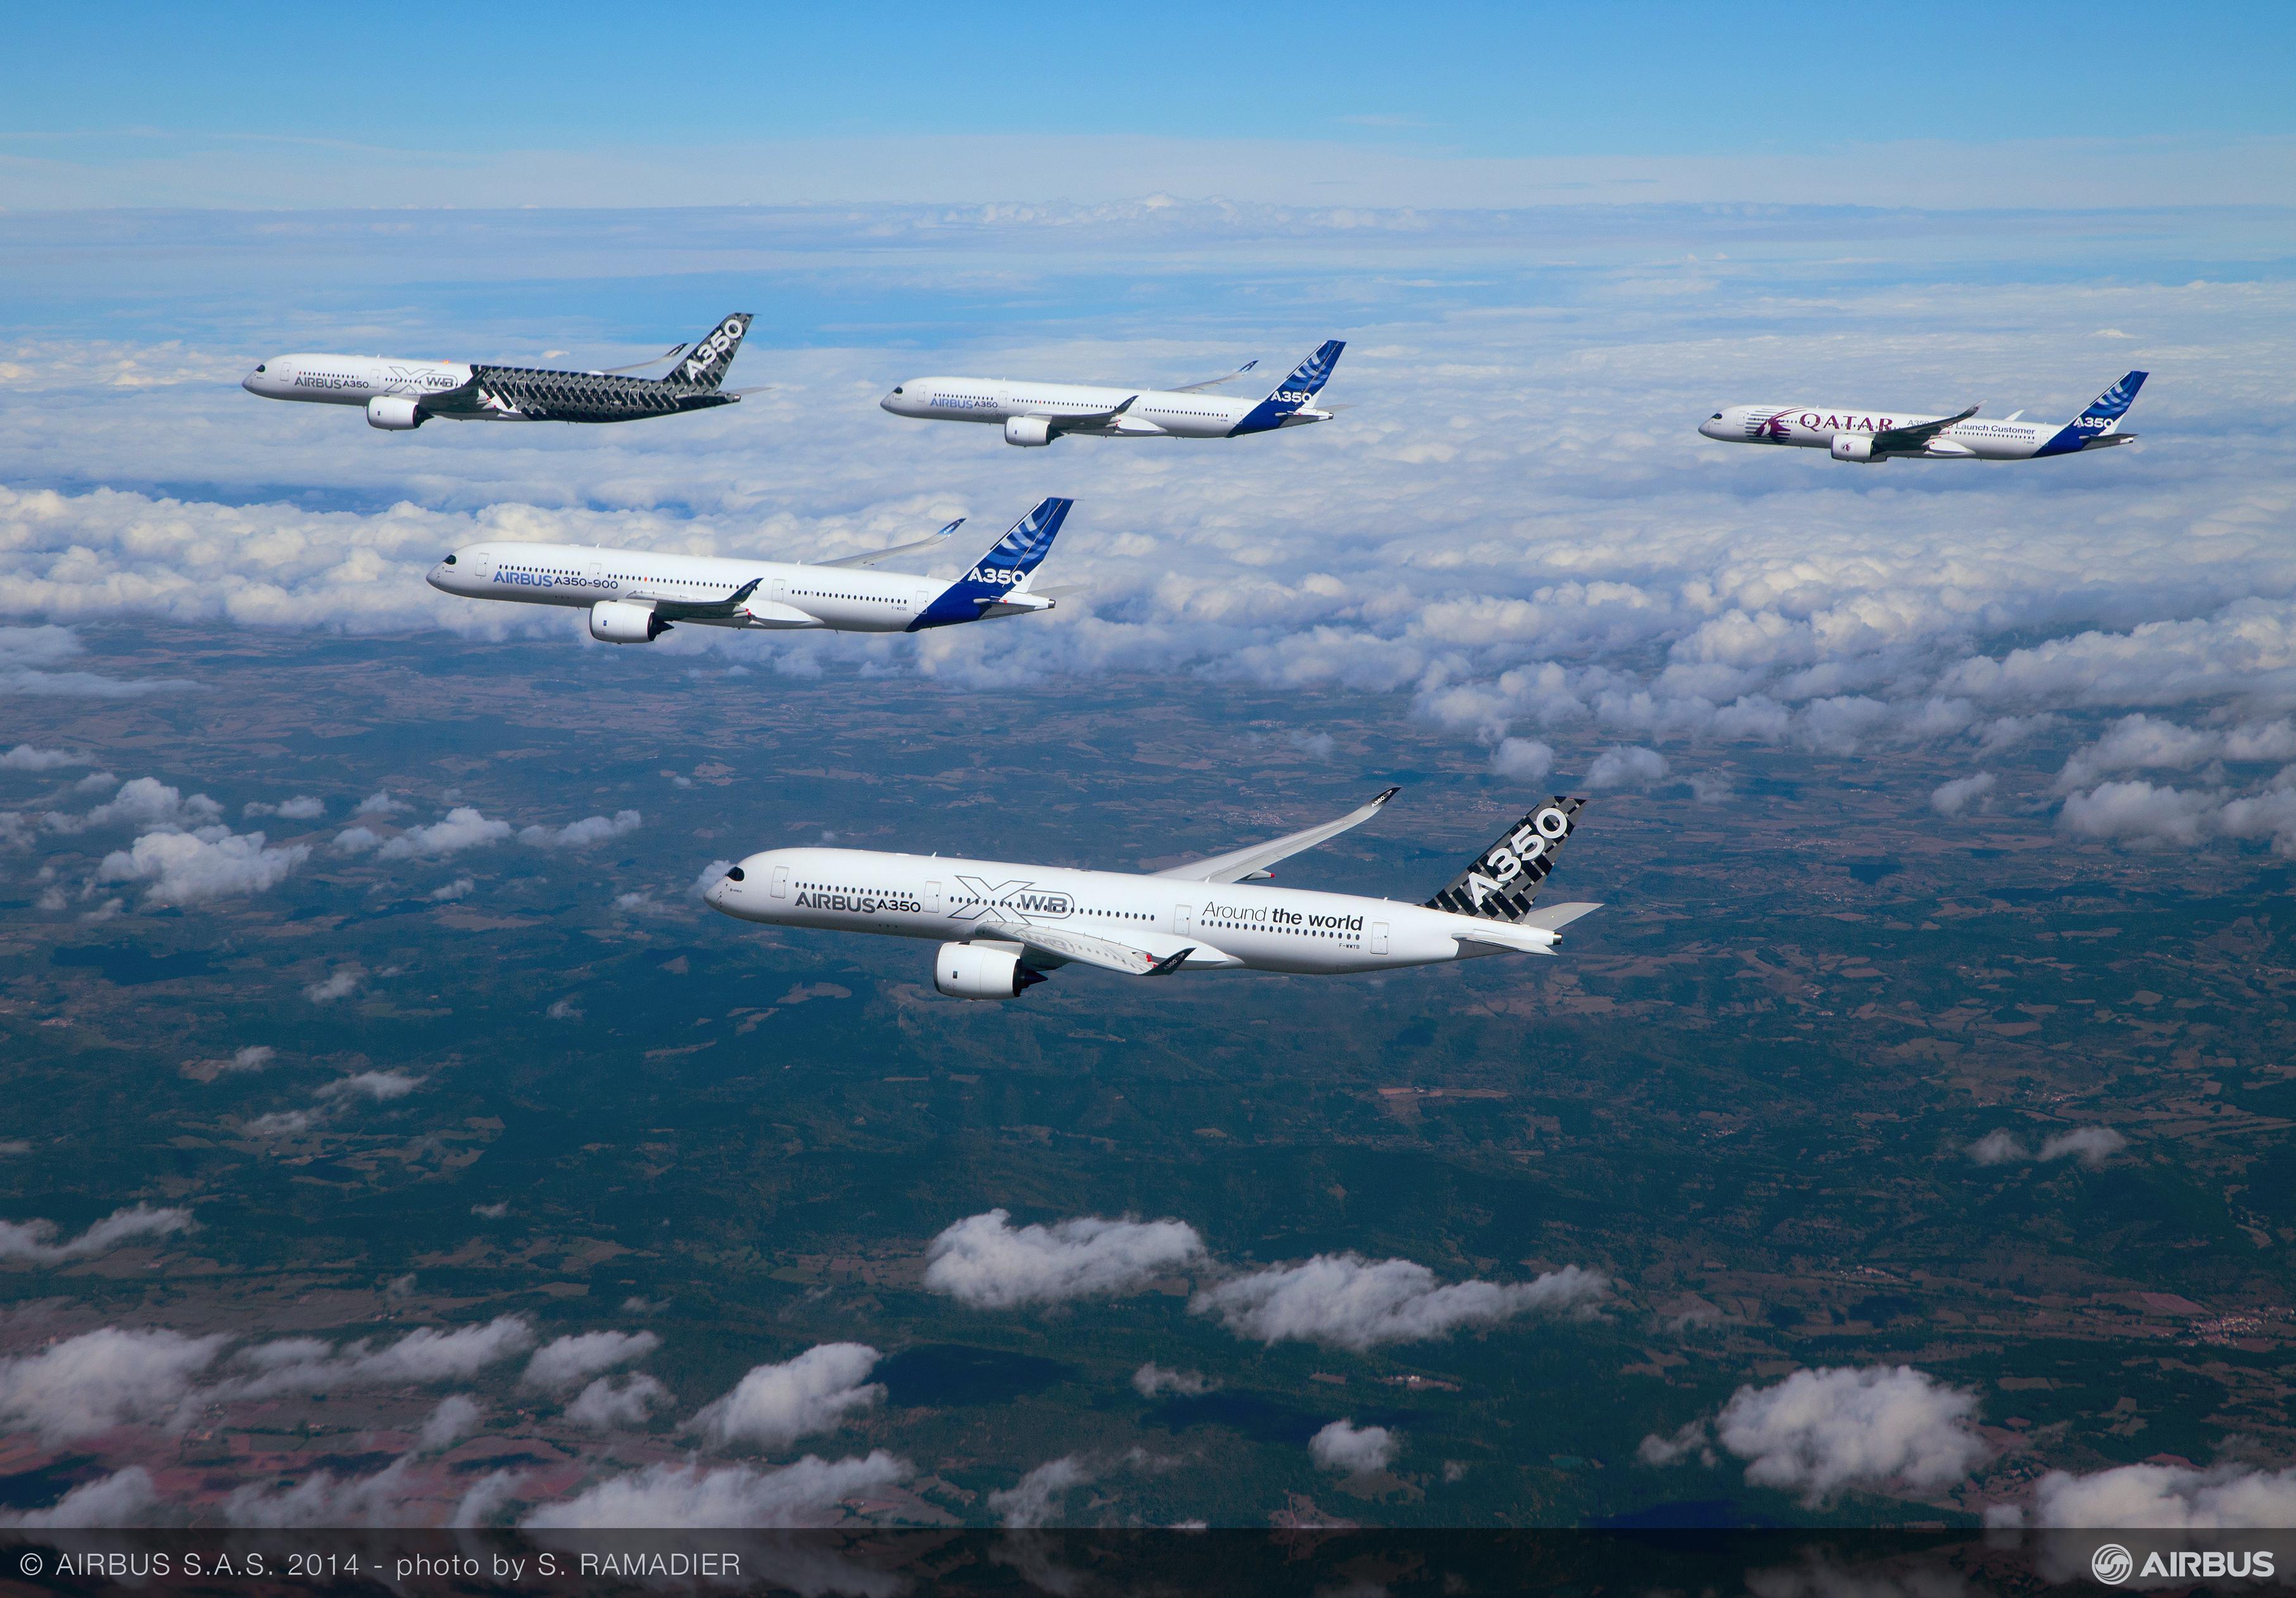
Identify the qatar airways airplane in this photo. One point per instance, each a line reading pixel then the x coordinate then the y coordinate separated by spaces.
pixel 1872 437
pixel 1035 414
pixel 1002 925
pixel 403 395
pixel 636 596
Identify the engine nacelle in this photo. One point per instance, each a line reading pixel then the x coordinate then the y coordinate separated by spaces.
pixel 1029 432
pixel 968 970
pixel 1849 447
pixel 395 413
pixel 618 621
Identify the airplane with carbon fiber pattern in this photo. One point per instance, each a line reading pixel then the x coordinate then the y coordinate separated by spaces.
pixel 1872 437
pixel 400 396
pixel 1002 926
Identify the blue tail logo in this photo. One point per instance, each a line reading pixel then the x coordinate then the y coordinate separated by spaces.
pixel 2104 414
pixel 1306 380
pixel 1002 570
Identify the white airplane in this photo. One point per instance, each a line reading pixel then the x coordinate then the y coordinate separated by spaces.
pixel 635 595
pixel 1036 413
pixel 1872 437
pixel 403 395
pixel 1003 925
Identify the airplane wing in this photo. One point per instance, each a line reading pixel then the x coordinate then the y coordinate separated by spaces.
pixel 1897 439
pixel 873 556
pixel 706 610
pixel 1083 949
pixel 671 354
pixel 1212 383
pixel 1089 420
pixel 1238 866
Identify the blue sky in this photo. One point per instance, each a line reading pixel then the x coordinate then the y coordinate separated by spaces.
pixel 1348 104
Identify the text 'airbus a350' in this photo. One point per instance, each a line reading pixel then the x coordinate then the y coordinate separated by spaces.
pixel 636 596
pixel 1874 437
pixel 1003 925
pixel 1034 414
pixel 403 395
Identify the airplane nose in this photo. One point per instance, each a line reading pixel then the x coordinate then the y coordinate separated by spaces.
pixel 887 404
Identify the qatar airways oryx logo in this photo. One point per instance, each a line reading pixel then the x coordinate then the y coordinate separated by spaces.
pixel 1022 898
pixel 1772 426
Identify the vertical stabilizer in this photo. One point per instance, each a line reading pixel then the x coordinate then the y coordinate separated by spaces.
pixel 1502 881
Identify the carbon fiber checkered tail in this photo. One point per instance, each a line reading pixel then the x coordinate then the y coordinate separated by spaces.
pixel 1505 879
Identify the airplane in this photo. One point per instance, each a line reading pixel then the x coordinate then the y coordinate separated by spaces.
pixel 1872 437
pixel 400 396
pixel 1034 414
pixel 635 595
pixel 1002 926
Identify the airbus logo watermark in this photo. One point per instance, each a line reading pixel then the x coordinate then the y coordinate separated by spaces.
pixel 2114 1565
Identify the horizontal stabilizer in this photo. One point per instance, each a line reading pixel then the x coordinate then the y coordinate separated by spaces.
pixel 1554 918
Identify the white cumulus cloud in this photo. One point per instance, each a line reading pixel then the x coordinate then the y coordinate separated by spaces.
pixel 572 1360
pixel 36 1239
pixel 1344 1446
pixel 776 1404
pixel 665 1496
pixel 1820 1431
pixel 607 1404
pixel 987 1262
pixel 102 1379
pixel 2166 1498
pixel 1344 1300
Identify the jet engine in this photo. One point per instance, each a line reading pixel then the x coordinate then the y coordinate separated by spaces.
pixel 395 413
pixel 1849 447
pixel 618 621
pixel 1029 432
pixel 968 970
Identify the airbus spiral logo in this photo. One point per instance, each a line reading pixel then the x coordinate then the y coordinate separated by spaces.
pixel 2112 1564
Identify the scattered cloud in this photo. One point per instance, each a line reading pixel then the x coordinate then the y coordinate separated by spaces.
pixel 460 887
pixel 776 1404
pixel 456 1416
pixel 34 1240
pixel 1525 759
pixel 2090 1145
pixel 1035 1500
pixel 424 1355
pixel 341 984
pixel 462 828
pixel 24 756
pixel 1627 768
pixel 1823 1431
pixel 378 1088
pixel 253 1057
pixel 2159 1498
pixel 1344 1446
pixel 1346 1301
pixel 581 835
pixel 607 1406
pixel 126 1497
pixel 665 1496
pixel 303 806
pixel 1953 797
pixel 572 1360
pixel 193 868
pixel 987 1262
pixel 99 1379
pixel 1152 1380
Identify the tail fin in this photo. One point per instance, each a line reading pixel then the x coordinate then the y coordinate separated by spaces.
pixel 1502 881
pixel 1306 380
pixel 704 366
pixel 1021 550
pixel 1000 573
pixel 2100 420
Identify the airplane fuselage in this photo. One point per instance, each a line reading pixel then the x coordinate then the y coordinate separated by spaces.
pixel 1228 926
pixel 468 393
pixel 1154 413
pixel 788 595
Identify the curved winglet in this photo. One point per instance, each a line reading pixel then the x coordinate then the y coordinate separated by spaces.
pixel 1237 864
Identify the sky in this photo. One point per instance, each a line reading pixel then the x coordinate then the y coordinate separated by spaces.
pixel 1456 106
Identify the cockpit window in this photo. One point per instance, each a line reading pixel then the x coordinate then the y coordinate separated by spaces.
pixel 450 560
pixel 736 875
pixel 897 388
pixel 1715 417
pixel 258 366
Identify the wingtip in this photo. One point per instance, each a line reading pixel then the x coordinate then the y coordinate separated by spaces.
pixel 1386 794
